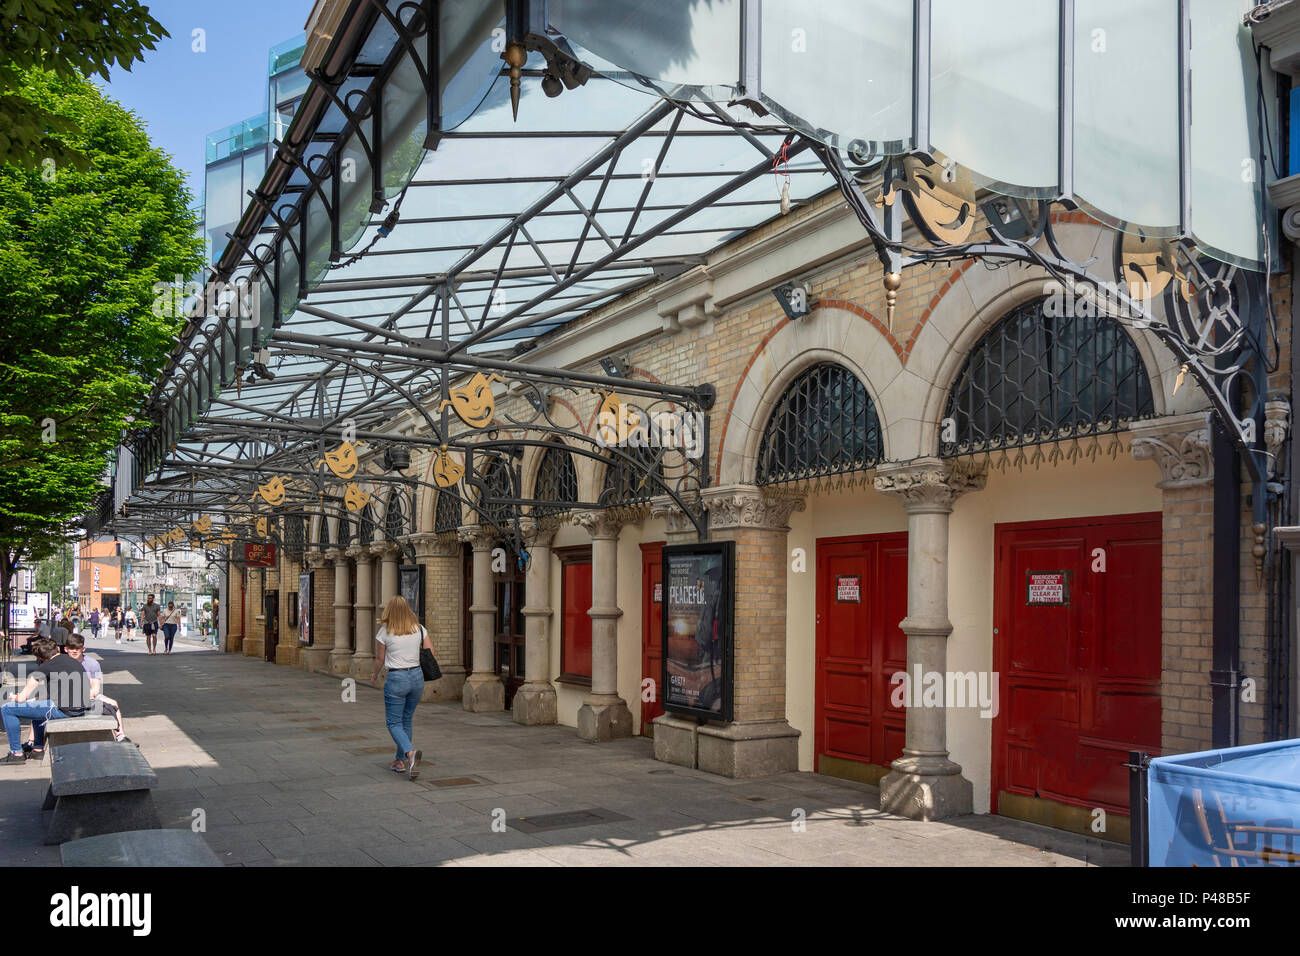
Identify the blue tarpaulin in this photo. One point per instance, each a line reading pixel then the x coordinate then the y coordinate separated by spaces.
pixel 1233 807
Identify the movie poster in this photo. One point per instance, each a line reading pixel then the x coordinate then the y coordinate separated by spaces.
pixel 410 585
pixel 306 584
pixel 697 629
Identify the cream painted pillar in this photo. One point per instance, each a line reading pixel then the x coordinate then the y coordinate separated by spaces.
pixel 363 658
pixel 441 557
pixel 341 655
pixel 534 702
pixel 388 553
pixel 924 783
pixel 603 715
pixel 483 691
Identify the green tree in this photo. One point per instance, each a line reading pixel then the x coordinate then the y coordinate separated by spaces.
pixel 82 254
pixel 72 40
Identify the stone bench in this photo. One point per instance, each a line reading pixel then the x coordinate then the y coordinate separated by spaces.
pixel 140 848
pixel 78 730
pixel 99 787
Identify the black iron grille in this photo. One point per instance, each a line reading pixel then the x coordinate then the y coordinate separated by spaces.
pixel 824 424
pixel 1037 378
pixel 627 482
pixel 557 481
pixel 447 515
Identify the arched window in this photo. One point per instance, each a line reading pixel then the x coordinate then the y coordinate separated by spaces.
pixel 447 516
pixel 1036 378
pixel 323 538
pixel 394 519
pixel 557 481
pixel 631 481
pixel 824 424
pixel 498 484
pixel 366 525
pixel 345 530
pixel 295 537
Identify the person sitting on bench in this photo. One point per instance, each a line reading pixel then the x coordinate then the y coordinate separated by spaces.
pixel 57 688
pixel 99 704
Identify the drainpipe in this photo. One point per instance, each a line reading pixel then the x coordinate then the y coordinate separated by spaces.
pixel 1224 672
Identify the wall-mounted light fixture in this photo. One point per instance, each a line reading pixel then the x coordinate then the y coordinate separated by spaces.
pixel 794 298
pixel 615 366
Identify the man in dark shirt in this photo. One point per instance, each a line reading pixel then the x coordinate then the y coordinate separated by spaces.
pixel 149 623
pixel 57 688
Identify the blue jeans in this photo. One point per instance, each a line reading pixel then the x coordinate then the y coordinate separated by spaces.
pixel 169 635
pixel 39 711
pixel 402 690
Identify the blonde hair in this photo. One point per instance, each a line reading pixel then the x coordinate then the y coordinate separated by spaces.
pixel 398 618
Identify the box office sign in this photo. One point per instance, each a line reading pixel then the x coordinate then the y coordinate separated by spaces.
pixel 1047 588
pixel 258 555
pixel 698 640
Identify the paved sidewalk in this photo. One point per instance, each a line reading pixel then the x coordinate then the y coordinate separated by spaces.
pixel 283 771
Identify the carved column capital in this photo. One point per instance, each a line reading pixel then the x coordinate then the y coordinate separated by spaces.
pixel 749 508
pixel 317 561
pixel 675 520
pixel 479 537
pixel 431 545
pixel 928 484
pixel 599 524
pixel 1180 445
pixel 359 553
pixel 537 535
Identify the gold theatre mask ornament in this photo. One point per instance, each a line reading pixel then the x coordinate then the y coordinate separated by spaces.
pixel 615 420
pixel 272 492
pixel 342 461
pixel 446 469
pixel 263 527
pixel 355 498
pixel 203 525
pixel 474 404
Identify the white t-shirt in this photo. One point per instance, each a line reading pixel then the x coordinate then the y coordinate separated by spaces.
pixel 402 650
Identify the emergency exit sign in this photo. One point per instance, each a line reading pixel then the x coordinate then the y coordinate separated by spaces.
pixel 1049 588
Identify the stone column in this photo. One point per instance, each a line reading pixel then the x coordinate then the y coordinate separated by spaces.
pixel 923 783
pixel 534 702
pixel 603 715
pixel 440 555
pixel 340 659
pixel 1180 445
pixel 483 691
pixel 363 658
pixel 388 553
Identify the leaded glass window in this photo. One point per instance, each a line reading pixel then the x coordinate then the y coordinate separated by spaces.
pixel 824 424
pixel 394 518
pixel 1037 378
pixel 447 515
pixel 497 484
pixel 295 536
pixel 366 525
pixel 557 481
pixel 324 537
pixel 345 531
pixel 631 481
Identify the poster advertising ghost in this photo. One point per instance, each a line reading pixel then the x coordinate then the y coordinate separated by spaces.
pixel 698 640
pixel 306 586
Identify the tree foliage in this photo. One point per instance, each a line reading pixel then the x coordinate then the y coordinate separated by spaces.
pixel 81 339
pixel 71 39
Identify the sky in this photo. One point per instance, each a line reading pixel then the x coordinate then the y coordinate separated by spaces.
pixel 182 94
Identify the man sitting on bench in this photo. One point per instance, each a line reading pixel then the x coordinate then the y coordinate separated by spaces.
pixel 99 704
pixel 57 688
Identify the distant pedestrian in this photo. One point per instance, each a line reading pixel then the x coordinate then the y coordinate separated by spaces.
pixel 129 624
pixel 93 621
pixel 171 619
pixel 60 630
pixel 115 622
pixel 149 623
pixel 398 645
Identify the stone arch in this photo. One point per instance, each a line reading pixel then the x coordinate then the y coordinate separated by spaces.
pixel 842 334
pixel 978 298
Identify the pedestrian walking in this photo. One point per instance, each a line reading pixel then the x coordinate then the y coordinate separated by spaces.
pixel 397 645
pixel 129 624
pixel 171 620
pixel 149 623
pixel 115 622
pixel 93 621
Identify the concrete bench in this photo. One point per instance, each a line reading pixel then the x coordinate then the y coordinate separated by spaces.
pixel 99 787
pixel 78 730
pixel 140 848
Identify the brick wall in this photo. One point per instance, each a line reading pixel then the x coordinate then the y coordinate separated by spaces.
pixel 759 660
pixel 1187 602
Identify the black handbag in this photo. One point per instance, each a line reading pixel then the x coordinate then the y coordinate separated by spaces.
pixel 428 663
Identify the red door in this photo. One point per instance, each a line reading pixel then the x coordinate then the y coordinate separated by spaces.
pixel 651 633
pixel 1078 652
pixel 861 598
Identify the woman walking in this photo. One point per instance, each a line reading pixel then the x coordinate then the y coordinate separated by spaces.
pixel 398 645
pixel 170 620
pixel 129 624
pixel 115 622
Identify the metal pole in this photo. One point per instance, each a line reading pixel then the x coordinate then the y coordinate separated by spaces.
pixel 1139 837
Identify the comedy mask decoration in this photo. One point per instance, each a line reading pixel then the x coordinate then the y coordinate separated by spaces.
pixel 355 498
pixel 343 461
pixel 615 420
pixel 203 525
pixel 941 205
pixel 272 492
pixel 474 404
pixel 1147 264
pixel 446 469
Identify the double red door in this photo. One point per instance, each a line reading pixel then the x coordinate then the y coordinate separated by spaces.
pixel 1078 650
pixel 861 598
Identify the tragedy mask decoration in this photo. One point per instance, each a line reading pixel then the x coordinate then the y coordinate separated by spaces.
pixel 1147 264
pixel 446 469
pixel 203 525
pixel 263 526
pixel 941 204
pixel 474 404
pixel 354 497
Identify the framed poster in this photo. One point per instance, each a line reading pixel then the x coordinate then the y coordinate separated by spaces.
pixel 410 585
pixel 306 594
pixel 698 640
